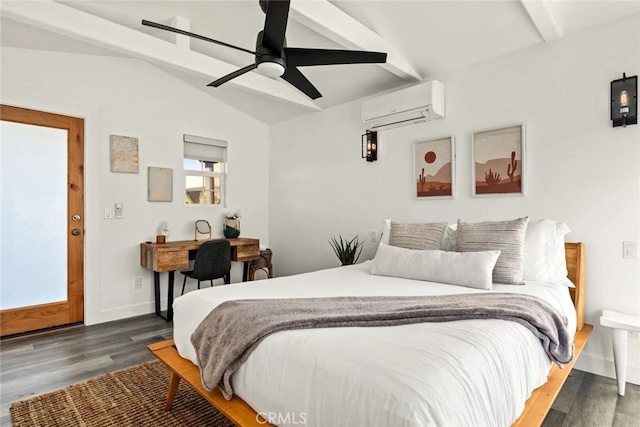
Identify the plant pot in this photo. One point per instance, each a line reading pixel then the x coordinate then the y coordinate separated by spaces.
pixel 231 228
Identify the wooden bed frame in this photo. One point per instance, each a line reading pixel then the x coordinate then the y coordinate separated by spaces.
pixel 535 410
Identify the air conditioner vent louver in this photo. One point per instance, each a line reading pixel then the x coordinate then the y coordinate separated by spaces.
pixel 398 119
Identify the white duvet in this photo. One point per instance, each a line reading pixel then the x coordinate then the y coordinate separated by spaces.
pixel 464 373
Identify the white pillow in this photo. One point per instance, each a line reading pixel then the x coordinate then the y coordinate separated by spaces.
pixel 386 230
pixel 469 269
pixel 449 238
pixel 537 243
pixel 558 263
pixel 544 253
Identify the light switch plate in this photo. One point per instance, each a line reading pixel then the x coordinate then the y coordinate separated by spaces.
pixel 108 213
pixel 118 210
pixel 630 250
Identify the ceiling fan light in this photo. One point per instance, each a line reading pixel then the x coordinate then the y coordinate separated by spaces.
pixel 270 69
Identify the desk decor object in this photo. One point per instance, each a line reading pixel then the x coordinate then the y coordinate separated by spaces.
pixel 164 228
pixel 163 237
pixel 124 154
pixel 201 227
pixel 498 161
pixel 231 225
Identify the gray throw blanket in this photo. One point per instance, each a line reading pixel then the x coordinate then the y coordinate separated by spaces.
pixel 228 335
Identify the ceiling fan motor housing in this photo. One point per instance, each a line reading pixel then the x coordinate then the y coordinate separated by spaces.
pixel 270 63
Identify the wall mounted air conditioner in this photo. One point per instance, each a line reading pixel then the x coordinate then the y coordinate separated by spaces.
pixel 415 104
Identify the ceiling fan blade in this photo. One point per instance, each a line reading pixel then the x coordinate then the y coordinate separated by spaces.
pixel 233 75
pixel 275 24
pixel 194 35
pixel 296 78
pixel 301 57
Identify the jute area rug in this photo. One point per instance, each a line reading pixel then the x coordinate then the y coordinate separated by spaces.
pixel 131 397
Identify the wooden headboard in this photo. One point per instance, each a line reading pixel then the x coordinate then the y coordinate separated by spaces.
pixel 574 253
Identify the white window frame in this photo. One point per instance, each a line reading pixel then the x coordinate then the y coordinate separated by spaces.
pixel 206 150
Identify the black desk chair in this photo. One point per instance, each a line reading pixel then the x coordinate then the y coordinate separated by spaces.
pixel 213 261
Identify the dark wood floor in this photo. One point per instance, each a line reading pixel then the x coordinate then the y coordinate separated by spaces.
pixel 36 364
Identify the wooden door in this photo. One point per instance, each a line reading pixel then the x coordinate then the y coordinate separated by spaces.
pixel 62 310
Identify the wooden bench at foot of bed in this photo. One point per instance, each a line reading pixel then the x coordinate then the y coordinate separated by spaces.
pixel 243 415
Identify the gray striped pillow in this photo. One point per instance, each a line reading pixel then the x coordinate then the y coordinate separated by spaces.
pixel 504 236
pixel 417 236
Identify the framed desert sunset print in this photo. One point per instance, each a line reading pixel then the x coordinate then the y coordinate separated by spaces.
pixel 498 161
pixel 433 175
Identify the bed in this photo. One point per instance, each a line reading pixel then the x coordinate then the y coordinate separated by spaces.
pixel 384 376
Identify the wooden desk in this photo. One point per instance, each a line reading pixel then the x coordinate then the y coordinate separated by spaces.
pixel 171 256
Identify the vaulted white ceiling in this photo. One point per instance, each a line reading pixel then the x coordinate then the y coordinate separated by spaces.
pixel 423 39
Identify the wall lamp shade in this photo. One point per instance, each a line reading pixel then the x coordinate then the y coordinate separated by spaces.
pixel 624 101
pixel 370 146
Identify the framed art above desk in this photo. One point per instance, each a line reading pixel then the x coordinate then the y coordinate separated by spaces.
pixel 171 256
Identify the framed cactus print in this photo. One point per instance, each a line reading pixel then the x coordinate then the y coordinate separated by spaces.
pixel 499 161
pixel 434 169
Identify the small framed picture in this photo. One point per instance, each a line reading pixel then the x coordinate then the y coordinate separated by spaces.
pixel 160 184
pixel 499 161
pixel 434 168
pixel 124 154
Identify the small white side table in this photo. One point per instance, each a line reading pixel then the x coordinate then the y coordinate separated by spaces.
pixel 620 325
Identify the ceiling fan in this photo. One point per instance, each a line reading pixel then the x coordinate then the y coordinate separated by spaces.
pixel 274 59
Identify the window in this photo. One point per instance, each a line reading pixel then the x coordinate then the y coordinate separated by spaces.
pixel 205 170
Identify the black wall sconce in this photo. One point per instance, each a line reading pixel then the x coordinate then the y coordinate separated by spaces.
pixel 370 146
pixel 624 101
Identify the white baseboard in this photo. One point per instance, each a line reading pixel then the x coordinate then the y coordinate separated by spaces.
pixel 118 313
pixel 605 368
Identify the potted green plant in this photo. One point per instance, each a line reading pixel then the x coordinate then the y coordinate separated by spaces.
pixel 347 251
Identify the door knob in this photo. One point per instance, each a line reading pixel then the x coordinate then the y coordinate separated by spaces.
pixel 75 232
pixel 76 217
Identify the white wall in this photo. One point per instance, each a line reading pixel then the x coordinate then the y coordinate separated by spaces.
pixel 129 97
pixel 580 170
